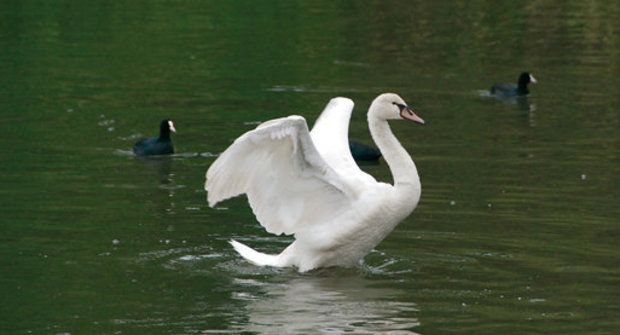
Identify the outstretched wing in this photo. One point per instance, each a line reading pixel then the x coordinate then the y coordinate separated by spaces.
pixel 330 135
pixel 288 184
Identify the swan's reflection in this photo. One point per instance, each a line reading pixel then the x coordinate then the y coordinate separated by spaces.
pixel 333 305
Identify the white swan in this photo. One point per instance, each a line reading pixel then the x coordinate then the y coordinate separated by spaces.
pixel 307 184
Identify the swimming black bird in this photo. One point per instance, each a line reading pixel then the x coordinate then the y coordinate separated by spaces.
pixel 161 145
pixel 363 152
pixel 511 90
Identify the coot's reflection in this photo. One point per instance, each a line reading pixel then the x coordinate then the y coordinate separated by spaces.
pixel 160 170
pixel 159 167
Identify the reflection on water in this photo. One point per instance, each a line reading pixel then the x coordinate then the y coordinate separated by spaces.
pixel 157 168
pixel 279 301
pixel 521 102
pixel 526 108
pixel 330 303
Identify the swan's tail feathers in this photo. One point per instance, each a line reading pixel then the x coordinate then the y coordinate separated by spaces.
pixel 255 257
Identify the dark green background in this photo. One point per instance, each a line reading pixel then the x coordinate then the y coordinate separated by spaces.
pixel 516 233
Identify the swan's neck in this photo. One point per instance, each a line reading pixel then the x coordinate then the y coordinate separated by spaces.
pixel 401 165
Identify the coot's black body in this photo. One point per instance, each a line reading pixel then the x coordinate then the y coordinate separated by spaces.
pixel 512 90
pixel 363 152
pixel 161 145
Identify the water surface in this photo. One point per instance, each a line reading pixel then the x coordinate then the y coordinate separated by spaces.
pixel 516 232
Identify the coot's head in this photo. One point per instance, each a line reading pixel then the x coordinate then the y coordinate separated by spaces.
pixel 165 127
pixel 526 78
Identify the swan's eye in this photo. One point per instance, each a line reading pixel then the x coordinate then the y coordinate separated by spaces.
pixel 400 106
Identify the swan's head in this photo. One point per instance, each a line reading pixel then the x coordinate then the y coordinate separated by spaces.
pixel 390 106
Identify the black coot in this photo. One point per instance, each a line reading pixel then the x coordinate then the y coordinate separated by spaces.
pixel 511 90
pixel 161 145
pixel 363 152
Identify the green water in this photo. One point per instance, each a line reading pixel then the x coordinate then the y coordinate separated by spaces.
pixel 517 230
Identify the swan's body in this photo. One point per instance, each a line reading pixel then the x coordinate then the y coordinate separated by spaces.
pixel 307 184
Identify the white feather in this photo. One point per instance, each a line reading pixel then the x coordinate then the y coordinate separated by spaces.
pixel 307 184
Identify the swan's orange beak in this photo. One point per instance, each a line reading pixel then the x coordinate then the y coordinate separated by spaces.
pixel 408 114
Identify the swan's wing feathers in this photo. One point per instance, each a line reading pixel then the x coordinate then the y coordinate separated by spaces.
pixel 330 134
pixel 288 184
